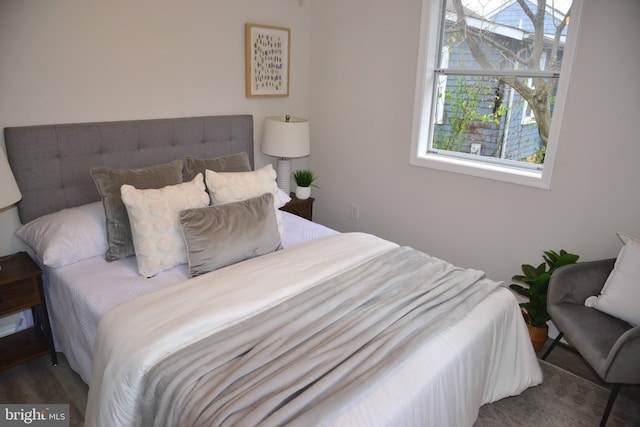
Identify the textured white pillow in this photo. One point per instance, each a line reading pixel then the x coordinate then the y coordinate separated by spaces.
pixel 227 187
pixel 67 236
pixel 620 296
pixel 154 216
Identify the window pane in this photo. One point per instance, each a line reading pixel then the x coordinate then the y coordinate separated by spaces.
pixel 487 116
pixel 498 35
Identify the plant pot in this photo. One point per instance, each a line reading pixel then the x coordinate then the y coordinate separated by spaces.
pixel 303 193
pixel 538 334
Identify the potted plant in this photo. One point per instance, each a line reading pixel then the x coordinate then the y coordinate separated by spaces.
pixel 304 181
pixel 536 280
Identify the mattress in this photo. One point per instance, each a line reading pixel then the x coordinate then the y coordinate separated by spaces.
pixel 80 294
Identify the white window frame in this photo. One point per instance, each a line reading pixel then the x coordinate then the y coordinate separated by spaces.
pixel 442 86
pixel 424 104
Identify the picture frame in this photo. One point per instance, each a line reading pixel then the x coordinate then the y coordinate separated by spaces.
pixel 267 62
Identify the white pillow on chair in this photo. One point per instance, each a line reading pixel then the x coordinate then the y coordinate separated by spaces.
pixel 620 296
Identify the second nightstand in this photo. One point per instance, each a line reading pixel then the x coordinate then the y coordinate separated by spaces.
pixel 303 208
pixel 21 288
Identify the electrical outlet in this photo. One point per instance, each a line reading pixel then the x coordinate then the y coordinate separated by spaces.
pixel 354 211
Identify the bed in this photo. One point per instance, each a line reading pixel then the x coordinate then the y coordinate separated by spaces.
pixel 325 313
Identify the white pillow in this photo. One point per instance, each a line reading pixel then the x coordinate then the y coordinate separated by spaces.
pixel 227 187
pixel 283 197
pixel 154 215
pixel 67 236
pixel 620 296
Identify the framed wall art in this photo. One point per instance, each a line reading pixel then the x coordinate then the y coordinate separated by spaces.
pixel 267 52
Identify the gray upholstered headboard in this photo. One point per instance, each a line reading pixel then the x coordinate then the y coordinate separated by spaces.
pixel 51 163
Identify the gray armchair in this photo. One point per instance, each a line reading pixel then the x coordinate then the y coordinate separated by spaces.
pixel 610 345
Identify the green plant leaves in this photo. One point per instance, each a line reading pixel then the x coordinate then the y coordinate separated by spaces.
pixel 537 280
pixel 304 178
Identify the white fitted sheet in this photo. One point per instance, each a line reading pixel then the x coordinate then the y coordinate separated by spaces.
pixel 80 294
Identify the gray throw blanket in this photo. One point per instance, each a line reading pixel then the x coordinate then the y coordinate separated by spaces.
pixel 302 361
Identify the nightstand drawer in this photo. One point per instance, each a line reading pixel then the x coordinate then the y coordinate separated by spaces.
pixel 19 295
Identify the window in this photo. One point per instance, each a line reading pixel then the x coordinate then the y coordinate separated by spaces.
pixel 491 86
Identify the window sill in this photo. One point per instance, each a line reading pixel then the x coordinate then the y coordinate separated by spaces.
pixel 530 178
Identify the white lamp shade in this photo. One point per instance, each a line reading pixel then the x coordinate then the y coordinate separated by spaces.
pixel 9 192
pixel 286 138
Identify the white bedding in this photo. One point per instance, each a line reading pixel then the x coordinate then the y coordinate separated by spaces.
pixel 81 293
pixel 484 357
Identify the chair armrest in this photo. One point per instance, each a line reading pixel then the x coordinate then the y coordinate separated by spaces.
pixel 576 282
pixel 622 361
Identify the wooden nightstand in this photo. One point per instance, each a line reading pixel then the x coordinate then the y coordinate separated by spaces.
pixel 303 208
pixel 21 288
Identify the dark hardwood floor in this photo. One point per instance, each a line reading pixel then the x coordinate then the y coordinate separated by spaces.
pixel 38 381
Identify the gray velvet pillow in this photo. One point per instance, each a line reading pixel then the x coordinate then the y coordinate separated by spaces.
pixel 217 236
pixel 238 162
pixel 108 182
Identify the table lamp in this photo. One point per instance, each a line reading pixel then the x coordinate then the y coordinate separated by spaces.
pixel 9 191
pixel 285 137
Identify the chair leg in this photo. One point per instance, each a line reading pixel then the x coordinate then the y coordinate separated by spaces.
pixel 612 398
pixel 553 344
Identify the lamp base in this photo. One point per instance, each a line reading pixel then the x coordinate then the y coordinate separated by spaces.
pixel 283 170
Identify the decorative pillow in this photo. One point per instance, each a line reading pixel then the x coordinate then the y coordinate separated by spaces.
pixel 283 198
pixel 238 162
pixel 217 236
pixel 154 215
pixel 67 236
pixel 108 182
pixel 238 186
pixel 620 296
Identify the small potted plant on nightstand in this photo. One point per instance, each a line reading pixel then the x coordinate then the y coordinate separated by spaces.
pixel 537 281
pixel 304 181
